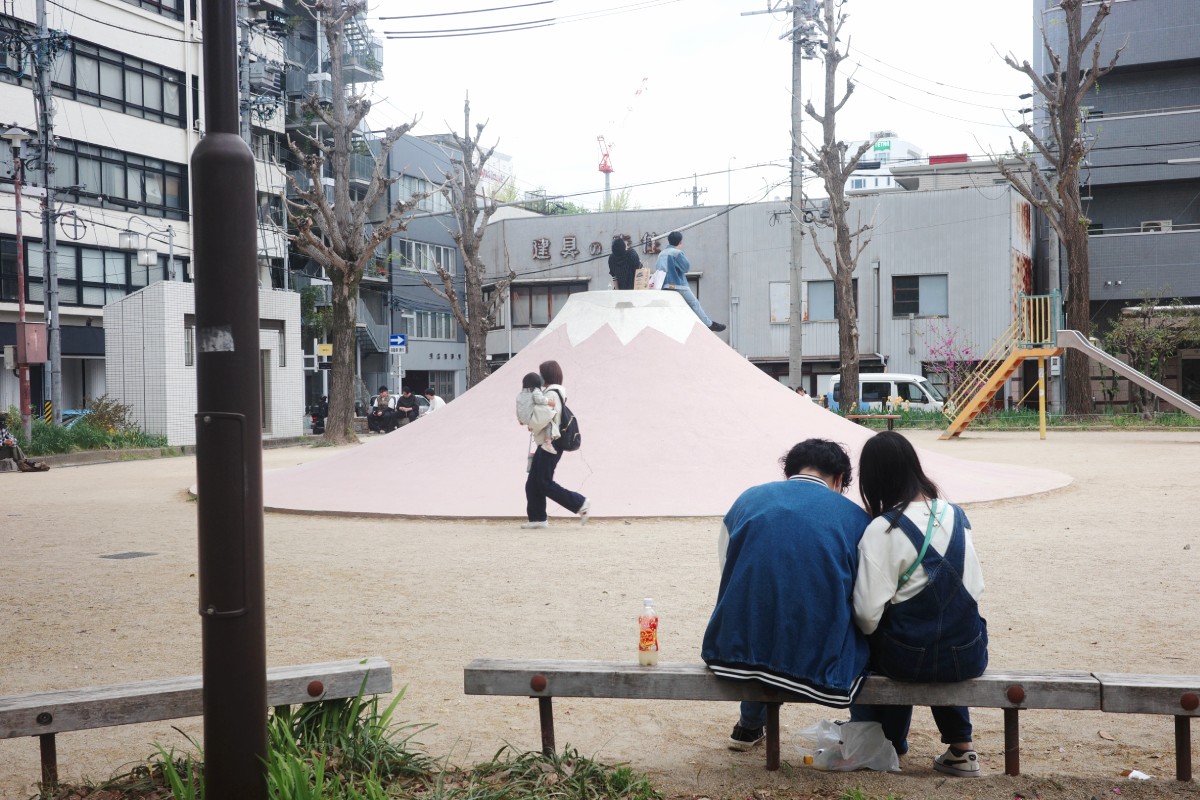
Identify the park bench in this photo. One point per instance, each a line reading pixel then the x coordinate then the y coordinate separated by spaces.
pixel 1012 691
pixel 48 713
pixel 891 418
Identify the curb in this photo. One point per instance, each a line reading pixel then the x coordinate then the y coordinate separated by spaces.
pixel 86 458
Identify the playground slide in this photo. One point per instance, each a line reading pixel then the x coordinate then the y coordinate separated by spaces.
pixel 1076 341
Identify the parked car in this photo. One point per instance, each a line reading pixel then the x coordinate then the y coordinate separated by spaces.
pixel 874 389
pixel 72 415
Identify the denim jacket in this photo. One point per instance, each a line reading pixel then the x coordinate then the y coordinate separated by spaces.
pixel 676 265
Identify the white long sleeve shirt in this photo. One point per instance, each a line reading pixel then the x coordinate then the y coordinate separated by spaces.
pixel 884 556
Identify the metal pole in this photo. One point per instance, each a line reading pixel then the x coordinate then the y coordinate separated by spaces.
pixel 796 305
pixel 22 366
pixel 243 9
pixel 170 253
pixel 228 430
pixel 46 130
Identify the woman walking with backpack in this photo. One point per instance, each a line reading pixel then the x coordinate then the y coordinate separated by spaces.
pixel 916 593
pixel 540 485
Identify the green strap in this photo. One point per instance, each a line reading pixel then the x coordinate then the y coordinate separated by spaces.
pixel 925 546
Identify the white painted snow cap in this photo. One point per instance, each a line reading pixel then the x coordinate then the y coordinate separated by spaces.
pixel 674 423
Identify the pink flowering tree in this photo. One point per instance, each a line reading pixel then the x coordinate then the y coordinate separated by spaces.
pixel 951 357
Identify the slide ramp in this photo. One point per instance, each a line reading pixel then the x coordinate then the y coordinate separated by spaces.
pixel 1077 341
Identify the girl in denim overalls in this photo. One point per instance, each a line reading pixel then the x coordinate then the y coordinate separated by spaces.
pixel 916 595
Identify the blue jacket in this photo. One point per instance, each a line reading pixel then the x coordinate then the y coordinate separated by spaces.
pixel 784 610
pixel 676 265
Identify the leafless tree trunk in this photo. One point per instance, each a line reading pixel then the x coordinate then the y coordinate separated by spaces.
pixel 334 232
pixel 833 165
pixel 1063 90
pixel 472 209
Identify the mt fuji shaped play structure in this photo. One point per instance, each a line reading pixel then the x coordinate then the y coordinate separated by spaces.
pixel 674 423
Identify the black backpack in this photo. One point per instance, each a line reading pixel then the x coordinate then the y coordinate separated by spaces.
pixel 568 430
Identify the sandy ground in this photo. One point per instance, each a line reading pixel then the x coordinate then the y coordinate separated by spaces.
pixel 1099 576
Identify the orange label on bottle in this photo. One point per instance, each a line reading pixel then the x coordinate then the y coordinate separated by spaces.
pixel 649 637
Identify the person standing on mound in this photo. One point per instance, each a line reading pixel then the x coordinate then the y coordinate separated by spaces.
pixel 916 595
pixel 623 263
pixel 540 484
pixel 676 265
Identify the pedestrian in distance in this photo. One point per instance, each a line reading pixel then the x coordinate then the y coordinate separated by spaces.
pixel 382 417
pixel 676 265
pixel 435 402
pixel 789 556
pixel 539 484
pixel 407 407
pixel 916 595
pixel 623 263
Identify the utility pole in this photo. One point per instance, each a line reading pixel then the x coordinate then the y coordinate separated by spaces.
pixel 695 192
pixel 802 48
pixel 44 53
pixel 243 21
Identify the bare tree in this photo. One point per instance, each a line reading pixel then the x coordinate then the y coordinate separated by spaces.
pixel 471 209
pixel 833 165
pixel 335 232
pixel 1062 89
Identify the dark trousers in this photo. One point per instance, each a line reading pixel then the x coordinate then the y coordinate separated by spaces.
pixel 384 421
pixel 540 485
pixel 953 722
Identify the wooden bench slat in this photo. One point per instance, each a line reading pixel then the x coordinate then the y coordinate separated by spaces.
pixel 177 698
pixel 1147 694
pixel 691 681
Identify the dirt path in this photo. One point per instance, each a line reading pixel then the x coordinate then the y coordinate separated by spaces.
pixel 1098 576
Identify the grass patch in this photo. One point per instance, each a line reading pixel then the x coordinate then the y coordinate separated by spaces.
pixel 353 750
pixel 107 427
pixel 1024 419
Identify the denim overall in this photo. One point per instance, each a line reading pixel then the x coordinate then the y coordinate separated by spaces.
pixel 935 637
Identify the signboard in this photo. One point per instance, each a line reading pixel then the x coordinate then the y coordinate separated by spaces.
pixel 884 144
pixel 325 349
pixel 398 343
pixel 325 365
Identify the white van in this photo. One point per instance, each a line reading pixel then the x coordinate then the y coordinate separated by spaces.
pixel 876 387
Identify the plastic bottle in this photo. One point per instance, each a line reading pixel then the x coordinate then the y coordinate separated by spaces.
pixel 648 640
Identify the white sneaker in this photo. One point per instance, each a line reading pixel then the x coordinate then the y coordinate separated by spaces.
pixel 584 510
pixel 538 524
pixel 964 766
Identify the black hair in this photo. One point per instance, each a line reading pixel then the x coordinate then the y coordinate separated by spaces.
pixel 551 372
pixel 406 389
pixel 618 245
pixel 674 238
pixel 532 381
pixel 823 456
pixel 383 389
pixel 430 391
pixel 890 474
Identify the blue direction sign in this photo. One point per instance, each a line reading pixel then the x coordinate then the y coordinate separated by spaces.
pixel 398 340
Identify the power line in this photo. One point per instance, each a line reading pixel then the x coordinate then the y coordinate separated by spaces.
pixel 931 80
pixel 471 11
pixel 580 17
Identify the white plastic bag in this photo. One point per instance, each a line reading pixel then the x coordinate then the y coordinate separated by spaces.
pixel 657 279
pixel 847 746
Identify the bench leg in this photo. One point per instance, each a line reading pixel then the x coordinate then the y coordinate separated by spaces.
pixel 1183 748
pixel 49 760
pixel 773 736
pixel 546 714
pixel 891 424
pixel 1012 742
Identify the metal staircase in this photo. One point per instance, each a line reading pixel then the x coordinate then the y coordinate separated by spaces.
pixel 1031 335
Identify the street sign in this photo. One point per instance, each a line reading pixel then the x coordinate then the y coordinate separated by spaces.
pixel 398 343
pixel 325 365
pixel 324 349
pixel 396 350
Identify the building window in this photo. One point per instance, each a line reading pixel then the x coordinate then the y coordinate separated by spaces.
pixel 189 341
pixel 534 306
pixel 423 257
pixel 821 306
pixel 920 296
pixel 270 209
pixel 858 183
pixel 167 8
pixel 436 201
pixel 101 176
pixel 433 325
pixel 87 276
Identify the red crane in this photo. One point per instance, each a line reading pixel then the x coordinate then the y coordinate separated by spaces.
pixel 605 164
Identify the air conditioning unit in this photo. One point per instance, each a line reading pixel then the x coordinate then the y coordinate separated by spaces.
pixel 1156 226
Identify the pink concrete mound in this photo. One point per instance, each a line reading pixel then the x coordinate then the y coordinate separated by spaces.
pixel 674 423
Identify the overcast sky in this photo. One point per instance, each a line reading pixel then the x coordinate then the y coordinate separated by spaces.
pixel 714 86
